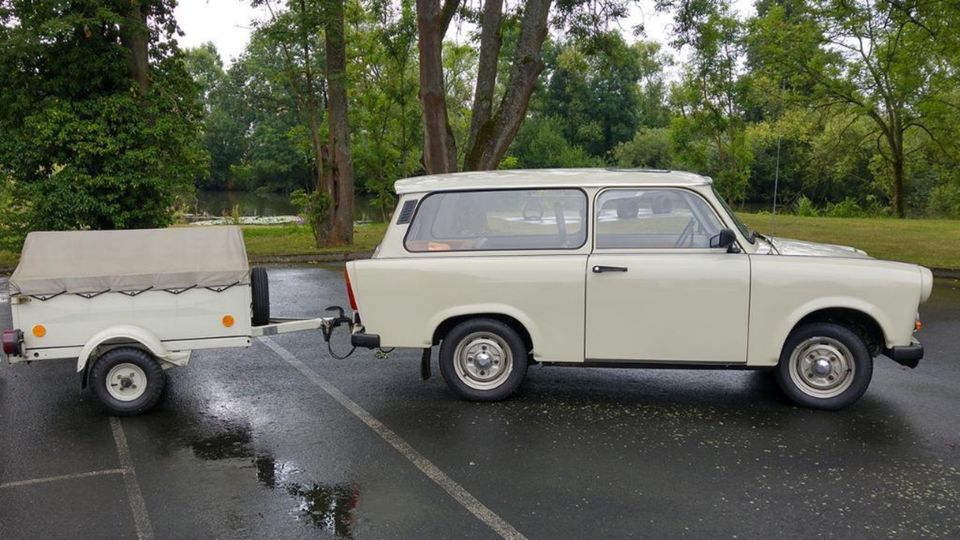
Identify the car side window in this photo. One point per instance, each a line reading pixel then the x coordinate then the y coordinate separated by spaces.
pixel 492 220
pixel 655 218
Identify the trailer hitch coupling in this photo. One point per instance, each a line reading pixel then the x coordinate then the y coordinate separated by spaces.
pixel 334 322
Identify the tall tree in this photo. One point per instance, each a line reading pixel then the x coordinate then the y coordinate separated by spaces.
pixel 318 88
pixel 495 120
pixel 888 61
pixel 439 146
pixel 340 183
pixel 100 119
pixel 709 132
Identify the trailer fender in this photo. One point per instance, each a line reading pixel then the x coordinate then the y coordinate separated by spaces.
pixel 122 334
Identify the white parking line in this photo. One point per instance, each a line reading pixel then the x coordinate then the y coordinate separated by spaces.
pixel 139 508
pixel 455 490
pixel 33 481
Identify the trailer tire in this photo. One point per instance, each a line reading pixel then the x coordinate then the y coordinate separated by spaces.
pixel 260 291
pixel 117 376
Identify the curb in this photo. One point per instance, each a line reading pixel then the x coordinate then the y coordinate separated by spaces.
pixel 946 273
pixel 311 258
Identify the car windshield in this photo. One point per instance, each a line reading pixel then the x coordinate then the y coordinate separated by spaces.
pixel 744 230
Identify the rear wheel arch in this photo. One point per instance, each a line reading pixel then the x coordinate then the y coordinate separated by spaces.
pixel 444 327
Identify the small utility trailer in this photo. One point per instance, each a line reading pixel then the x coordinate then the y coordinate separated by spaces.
pixel 126 305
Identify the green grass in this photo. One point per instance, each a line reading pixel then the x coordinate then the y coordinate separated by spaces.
pixel 931 242
pixel 8 259
pixel 280 240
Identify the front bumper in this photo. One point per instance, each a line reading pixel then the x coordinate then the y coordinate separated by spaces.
pixel 906 355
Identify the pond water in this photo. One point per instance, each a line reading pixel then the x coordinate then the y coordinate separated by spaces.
pixel 220 203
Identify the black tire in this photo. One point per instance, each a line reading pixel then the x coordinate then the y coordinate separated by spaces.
pixel 260 292
pixel 806 394
pixel 156 380
pixel 498 333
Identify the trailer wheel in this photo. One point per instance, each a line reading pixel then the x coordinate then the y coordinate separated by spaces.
pixel 128 381
pixel 260 290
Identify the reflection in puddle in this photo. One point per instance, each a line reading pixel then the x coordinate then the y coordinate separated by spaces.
pixel 327 507
pixel 323 506
pixel 233 442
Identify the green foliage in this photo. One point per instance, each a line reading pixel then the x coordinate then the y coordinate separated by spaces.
pixel 540 144
pixel 604 89
pixel 847 208
pixel 649 148
pixel 944 201
pixel 314 208
pixel 85 148
pixel 804 207
pixel 386 116
pixel 13 216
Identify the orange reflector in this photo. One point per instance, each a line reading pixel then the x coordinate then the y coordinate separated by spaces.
pixel 228 320
pixel 39 330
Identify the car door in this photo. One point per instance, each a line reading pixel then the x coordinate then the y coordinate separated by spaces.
pixel 655 289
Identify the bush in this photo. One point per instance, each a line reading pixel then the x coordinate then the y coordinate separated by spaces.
pixel 847 208
pixel 13 216
pixel 804 207
pixel 313 208
pixel 944 201
pixel 540 144
pixel 649 148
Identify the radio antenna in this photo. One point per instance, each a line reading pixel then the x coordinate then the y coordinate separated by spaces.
pixel 776 185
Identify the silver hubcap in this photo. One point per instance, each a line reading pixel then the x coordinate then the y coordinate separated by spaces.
pixel 126 382
pixel 483 361
pixel 822 367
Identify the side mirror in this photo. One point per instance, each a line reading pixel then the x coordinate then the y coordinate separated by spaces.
pixel 725 239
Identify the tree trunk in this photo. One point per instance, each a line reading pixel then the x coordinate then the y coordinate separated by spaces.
pixel 439 146
pixel 134 37
pixel 341 162
pixel 491 38
pixel 494 137
pixel 898 206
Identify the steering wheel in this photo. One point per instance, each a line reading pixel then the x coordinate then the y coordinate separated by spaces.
pixel 687 232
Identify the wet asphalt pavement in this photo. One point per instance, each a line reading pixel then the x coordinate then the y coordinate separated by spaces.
pixel 244 445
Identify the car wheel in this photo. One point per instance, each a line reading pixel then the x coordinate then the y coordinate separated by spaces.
pixel 127 381
pixel 483 360
pixel 260 291
pixel 824 366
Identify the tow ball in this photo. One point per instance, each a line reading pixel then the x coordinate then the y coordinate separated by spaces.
pixel 334 322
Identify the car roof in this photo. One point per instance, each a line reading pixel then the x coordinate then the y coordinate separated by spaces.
pixel 547 178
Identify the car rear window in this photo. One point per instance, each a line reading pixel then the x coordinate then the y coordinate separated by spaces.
pixel 497 220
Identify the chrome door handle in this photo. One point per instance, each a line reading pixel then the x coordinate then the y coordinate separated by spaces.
pixel 601 269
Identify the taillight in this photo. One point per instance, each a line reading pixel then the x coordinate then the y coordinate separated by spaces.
pixel 11 342
pixel 350 296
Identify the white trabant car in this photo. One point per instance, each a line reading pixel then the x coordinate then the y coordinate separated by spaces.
pixel 623 268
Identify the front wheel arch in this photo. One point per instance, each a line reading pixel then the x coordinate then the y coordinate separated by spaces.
pixel 855 320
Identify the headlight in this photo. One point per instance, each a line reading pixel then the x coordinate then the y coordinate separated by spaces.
pixel 926 283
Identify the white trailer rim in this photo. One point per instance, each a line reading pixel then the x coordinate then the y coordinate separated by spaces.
pixel 126 382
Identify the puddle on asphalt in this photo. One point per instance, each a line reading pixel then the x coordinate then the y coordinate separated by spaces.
pixel 325 506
